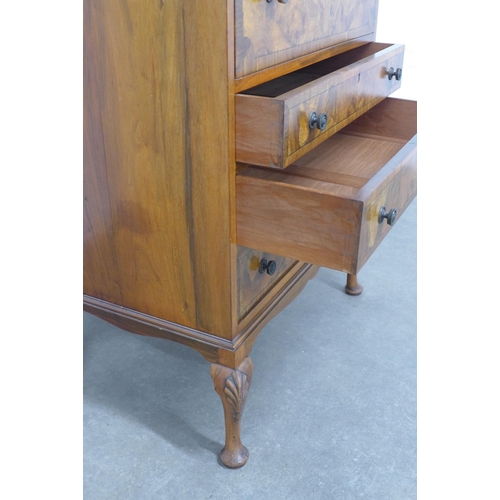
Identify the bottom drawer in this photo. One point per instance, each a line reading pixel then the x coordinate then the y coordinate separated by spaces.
pixel 335 205
pixel 257 273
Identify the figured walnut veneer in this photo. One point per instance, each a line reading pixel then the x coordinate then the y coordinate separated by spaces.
pixel 272 119
pixel 328 202
pixel 267 34
pixel 174 228
pixel 156 239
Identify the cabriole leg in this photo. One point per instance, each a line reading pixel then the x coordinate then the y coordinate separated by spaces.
pixel 232 386
pixel 353 287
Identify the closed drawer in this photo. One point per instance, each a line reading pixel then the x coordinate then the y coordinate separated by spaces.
pixel 275 121
pixel 325 209
pixel 254 278
pixel 268 33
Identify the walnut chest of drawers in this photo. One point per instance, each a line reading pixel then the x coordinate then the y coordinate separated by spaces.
pixel 206 120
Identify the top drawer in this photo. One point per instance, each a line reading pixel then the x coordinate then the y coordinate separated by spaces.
pixel 279 121
pixel 270 32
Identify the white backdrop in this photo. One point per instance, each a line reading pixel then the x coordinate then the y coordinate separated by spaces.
pixel 397 23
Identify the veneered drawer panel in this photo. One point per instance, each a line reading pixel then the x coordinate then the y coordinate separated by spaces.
pixel 271 33
pixel 253 284
pixel 396 194
pixel 324 209
pixel 273 120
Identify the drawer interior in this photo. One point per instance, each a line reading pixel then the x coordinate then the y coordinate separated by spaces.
pixel 346 162
pixel 282 120
pixel 325 207
pixel 291 81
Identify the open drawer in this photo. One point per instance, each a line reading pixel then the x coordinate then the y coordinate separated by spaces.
pixel 336 204
pixel 279 121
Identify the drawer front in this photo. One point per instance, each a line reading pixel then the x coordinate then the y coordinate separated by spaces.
pixel 271 33
pixel 273 120
pixel 395 195
pixel 327 205
pixel 343 100
pixel 252 284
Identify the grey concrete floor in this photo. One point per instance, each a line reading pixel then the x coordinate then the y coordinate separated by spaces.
pixel 331 413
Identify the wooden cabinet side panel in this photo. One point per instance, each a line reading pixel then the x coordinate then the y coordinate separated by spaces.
pixel 156 160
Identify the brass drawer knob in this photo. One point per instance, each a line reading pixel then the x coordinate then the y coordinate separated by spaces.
pixel 268 267
pixel 398 73
pixel 318 121
pixel 390 216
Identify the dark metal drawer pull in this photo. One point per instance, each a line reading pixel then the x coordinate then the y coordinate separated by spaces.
pixel 270 267
pixel 280 1
pixel 318 121
pixel 390 216
pixel 398 73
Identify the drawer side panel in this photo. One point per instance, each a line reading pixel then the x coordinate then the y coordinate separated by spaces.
pixel 259 130
pixel 301 224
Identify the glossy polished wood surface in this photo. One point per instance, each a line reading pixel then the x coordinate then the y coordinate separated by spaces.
pixel 157 179
pixel 163 205
pixel 326 206
pixel 272 119
pixel 252 284
pixel 268 34
pixel 214 349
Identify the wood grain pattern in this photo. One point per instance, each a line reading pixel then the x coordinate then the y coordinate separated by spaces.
pixel 359 92
pixel 259 130
pixel 214 349
pixel 333 222
pixel 163 205
pixel 267 34
pixel 253 285
pixel 398 194
pixel 276 71
pixel 155 238
pixel 314 227
pixel 209 346
pixel 272 119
